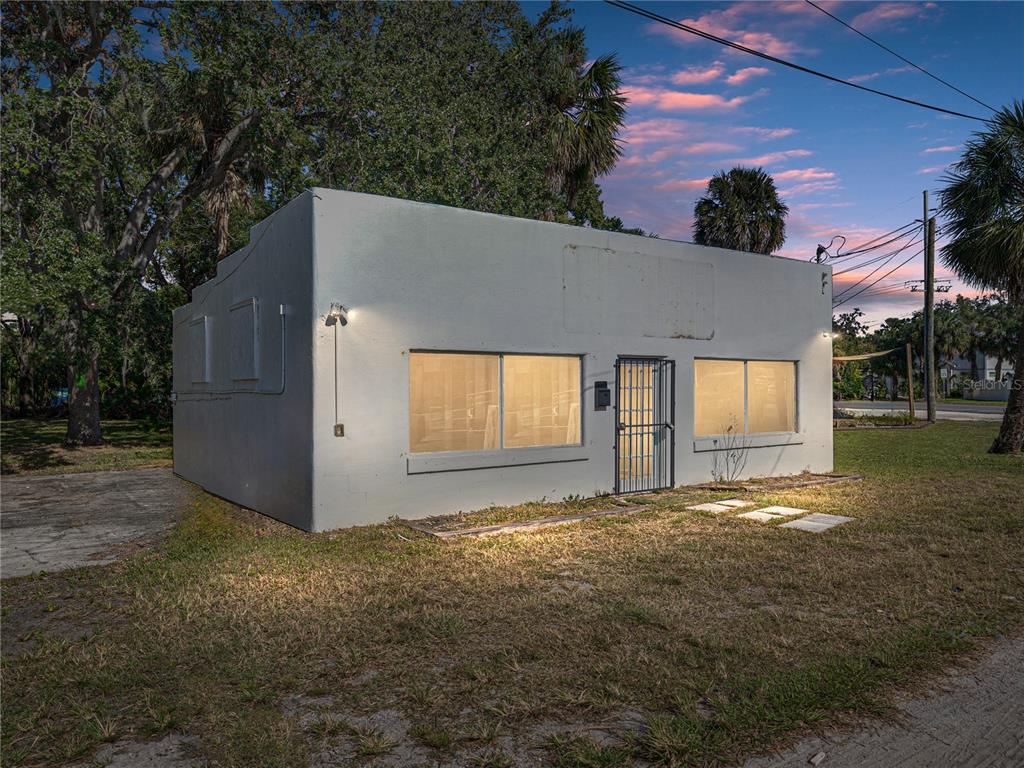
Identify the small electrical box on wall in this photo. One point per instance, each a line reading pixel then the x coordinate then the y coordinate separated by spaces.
pixel 602 395
pixel 339 430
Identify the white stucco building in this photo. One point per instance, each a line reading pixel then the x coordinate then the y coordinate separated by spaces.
pixel 365 357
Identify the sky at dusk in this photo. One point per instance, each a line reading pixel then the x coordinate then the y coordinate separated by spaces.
pixel 845 162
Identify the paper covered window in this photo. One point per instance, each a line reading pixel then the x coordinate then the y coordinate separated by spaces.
pixel 482 402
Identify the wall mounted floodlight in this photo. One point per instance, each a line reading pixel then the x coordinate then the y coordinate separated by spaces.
pixel 338 315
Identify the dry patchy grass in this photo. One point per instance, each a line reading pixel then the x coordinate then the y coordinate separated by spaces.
pixel 668 636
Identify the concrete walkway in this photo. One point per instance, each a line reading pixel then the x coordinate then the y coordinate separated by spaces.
pixel 976 721
pixel 51 522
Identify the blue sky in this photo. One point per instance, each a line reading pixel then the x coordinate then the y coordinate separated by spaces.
pixel 846 162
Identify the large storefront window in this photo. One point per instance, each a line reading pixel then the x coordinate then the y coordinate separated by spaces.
pixel 474 402
pixel 743 397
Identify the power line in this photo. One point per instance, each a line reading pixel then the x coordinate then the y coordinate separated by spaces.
pixel 885 263
pixel 887 260
pixel 901 58
pixel 870 245
pixel 760 54
pixel 877 293
pixel 861 252
pixel 876 259
pixel 874 245
pixel 890 290
pixel 901 264
pixel 868 263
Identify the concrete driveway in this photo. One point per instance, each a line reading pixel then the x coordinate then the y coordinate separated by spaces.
pixel 51 522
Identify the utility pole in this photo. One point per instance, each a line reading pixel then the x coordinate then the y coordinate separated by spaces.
pixel 910 379
pixel 928 358
pixel 929 314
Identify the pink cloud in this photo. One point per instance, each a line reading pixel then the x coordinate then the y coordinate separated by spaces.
pixel 683 185
pixel 652 158
pixel 766 133
pixel 885 13
pixel 742 75
pixel 809 188
pixel 693 75
pixel 933 150
pixel 732 21
pixel 932 169
pixel 709 147
pixel 876 75
pixel 805 181
pixel 670 101
pixel 815 206
pixel 804 174
pixel 909 271
pixel 773 158
pixel 656 130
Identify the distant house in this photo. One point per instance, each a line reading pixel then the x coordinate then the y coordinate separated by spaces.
pixel 993 381
pixel 365 357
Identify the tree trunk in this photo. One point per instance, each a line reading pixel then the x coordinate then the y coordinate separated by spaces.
pixel 999 369
pixel 84 403
pixel 974 363
pixel 26 402
pixel 25 353
pixel 1011 433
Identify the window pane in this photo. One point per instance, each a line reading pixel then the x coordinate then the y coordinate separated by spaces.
pixel 717 397
pixel 453 402
pixel 771 396
pixel 542 400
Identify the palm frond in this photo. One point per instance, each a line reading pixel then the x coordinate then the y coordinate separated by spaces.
pixel 983 207
pixel 741 210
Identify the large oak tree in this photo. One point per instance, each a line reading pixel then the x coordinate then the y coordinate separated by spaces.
pixel 133 128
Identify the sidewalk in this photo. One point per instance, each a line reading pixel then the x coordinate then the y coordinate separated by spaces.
pixel 976 721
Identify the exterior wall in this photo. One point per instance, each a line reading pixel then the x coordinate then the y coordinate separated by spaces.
pixel 254 449
pixel 418 276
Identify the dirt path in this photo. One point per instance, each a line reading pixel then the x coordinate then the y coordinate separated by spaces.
pixel 975 720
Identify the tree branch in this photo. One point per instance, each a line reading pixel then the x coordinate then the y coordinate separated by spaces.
pixel 234 143
pixel 137 216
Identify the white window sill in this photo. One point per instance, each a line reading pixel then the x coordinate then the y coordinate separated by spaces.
pixel 424 463
pixel 742 442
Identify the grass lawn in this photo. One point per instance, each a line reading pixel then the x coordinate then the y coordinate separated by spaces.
pixel 697 639
pixel 36 447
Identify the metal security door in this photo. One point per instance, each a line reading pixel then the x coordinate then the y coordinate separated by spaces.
pixel 645 435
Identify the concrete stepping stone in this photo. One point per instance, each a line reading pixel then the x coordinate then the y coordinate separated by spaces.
pixel 759 516
pixel 714 508
pixel 735 503
pixel 817 522
pixel 783 511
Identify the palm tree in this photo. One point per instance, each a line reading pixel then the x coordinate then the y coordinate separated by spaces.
pixel 589 110
pixel 983 204
pixel 742 211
